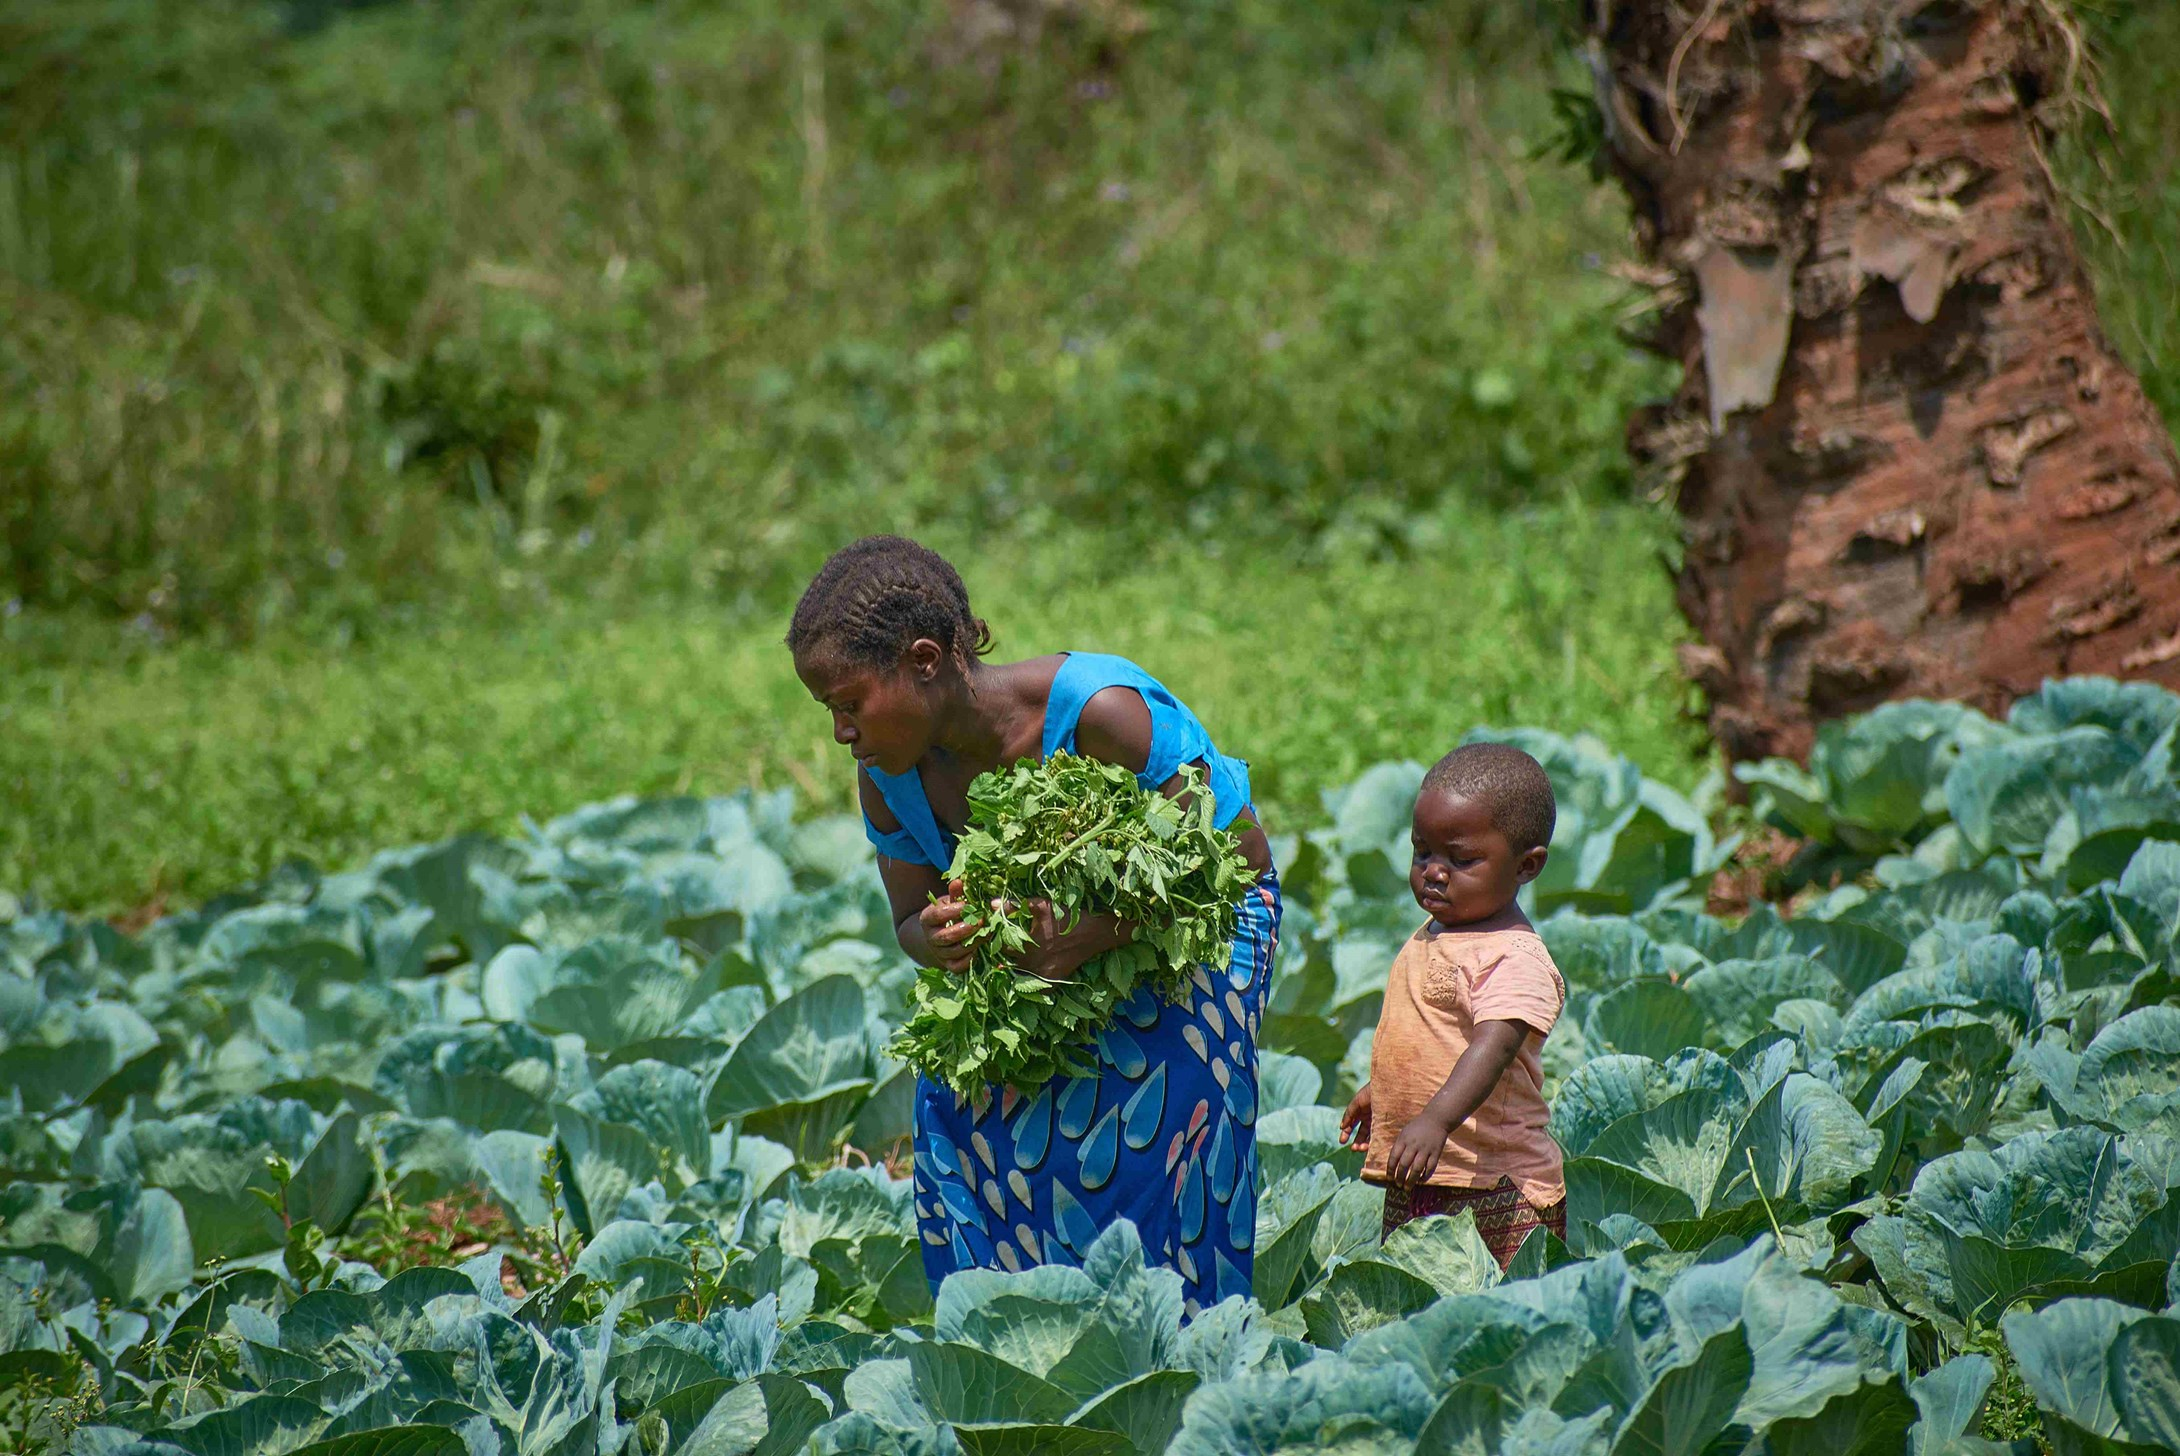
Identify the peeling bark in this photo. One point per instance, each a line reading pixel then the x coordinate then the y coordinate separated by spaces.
pixel 1907 462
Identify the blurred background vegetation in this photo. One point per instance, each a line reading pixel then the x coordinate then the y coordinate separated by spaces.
pixel 417 412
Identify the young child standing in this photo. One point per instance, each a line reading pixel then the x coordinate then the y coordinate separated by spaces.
pixel 1453 1115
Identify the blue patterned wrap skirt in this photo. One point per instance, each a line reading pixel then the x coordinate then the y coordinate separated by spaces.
pixel 1164 1136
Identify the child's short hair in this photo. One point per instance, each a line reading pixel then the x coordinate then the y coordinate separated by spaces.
pixel 1508 782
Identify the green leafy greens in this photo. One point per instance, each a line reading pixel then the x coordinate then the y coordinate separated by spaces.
pixel 1087 837
pixel 1897 1172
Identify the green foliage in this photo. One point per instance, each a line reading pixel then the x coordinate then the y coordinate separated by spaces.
pixel 131 772
pixel 42 1403
pixel 426 304
pixel 2106 1376
pixel 535 1139
pixel 2069 1211
pixel 324 307
pixel 1085 837
pixel 2125 210
pixel 2078 776
pixel 2009 1406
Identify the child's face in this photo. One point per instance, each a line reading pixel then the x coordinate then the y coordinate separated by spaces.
pixel 881 715
pixel 1464 870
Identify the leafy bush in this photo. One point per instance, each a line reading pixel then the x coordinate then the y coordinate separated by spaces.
pixel 402 302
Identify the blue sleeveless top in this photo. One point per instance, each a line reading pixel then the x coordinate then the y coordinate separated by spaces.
pixel 1176 738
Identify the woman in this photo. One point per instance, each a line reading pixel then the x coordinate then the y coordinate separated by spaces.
pixel 1164 1135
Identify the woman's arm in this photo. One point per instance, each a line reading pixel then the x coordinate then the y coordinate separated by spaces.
pixel 1418 1146
pixel 927 912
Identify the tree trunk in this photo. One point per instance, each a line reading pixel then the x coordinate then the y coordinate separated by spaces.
pixel 1907 462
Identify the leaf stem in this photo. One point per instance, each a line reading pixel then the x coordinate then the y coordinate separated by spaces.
pixel 1060 855
pixel 1780 1238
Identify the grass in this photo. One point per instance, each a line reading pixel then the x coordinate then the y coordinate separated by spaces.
pixel 453 307
pixel 449 399
pixel 179 772
pixel 416 414
pixel 2120 172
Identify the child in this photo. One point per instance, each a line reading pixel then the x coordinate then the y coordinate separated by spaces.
pixel 1453 1115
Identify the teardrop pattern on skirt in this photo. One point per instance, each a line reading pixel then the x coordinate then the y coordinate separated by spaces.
pixel 1241 1092
pixel 1222 1164
pixel 1101 1151
pixel 1120 1051
pixel 1033 1132
pixel 1164 1135
pixel 1073 1228
pixel 1077 1105
pixel 1146 1109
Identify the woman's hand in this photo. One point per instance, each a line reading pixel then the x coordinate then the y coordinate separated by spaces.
pixel 947 928
pixel 1356 1120
pixel 1416 1150
pixel 1056 952
pixel 1049 955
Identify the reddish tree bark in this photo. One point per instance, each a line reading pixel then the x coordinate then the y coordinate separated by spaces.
pixel 1907 462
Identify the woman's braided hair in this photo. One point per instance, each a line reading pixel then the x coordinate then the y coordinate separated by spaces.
pixel 875 596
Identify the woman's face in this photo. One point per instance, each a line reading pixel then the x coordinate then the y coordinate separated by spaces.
pixel 881 715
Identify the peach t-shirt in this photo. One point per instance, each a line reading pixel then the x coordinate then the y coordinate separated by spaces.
pixel 1442 984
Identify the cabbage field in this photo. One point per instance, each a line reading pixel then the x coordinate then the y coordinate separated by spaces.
pixel 584 1141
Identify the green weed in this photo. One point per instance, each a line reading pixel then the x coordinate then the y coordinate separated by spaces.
pixel 42 1405
pixel 2009 1410
pixel 2119 173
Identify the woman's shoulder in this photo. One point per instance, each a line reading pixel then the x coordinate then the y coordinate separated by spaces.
pixel 1080 699
pixel 1115 725
pixel 1110 708
pixel 1092 672
pixel 870 795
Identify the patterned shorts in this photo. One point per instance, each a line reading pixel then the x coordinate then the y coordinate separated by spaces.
pixel 1503 1216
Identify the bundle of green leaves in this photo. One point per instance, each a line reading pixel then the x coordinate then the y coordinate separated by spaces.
pixel 1087 837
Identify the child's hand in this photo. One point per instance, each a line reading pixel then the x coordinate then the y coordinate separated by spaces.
pixel 1356 1120
pixel 1416 1151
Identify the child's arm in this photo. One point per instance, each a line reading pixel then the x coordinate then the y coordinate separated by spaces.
pixel 1417 1148
pixel 1355 1122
